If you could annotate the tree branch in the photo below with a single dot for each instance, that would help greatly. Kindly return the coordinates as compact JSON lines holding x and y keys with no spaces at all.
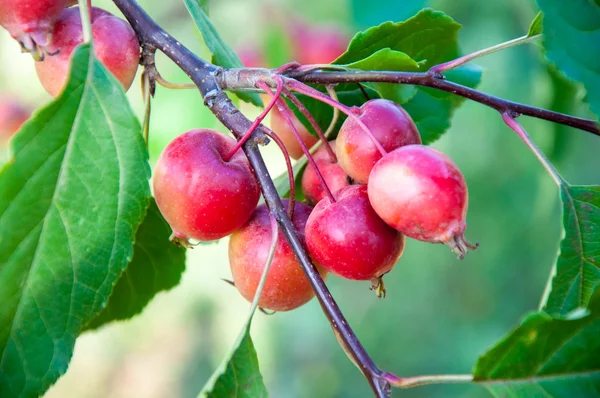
{"x":205,"y":76}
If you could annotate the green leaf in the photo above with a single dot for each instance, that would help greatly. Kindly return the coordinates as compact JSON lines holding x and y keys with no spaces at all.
{"x":545,"y":357}
{"x":572,"y":42}
{"x":240,"y":376}
{"x":428,"y":39}
{"x":157,"y":265}
{"x":222,"y":54}
{"x":536,"y":26}
{"x":71,"y":198}
{"x":386,"y":59}
{"x":578,"y":265}
{"x":282,"y":182}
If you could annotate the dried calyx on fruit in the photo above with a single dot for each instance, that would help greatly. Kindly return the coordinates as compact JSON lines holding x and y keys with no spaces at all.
{"x":31,"y":22}
{"x":115,"y":45}
{"x":201,"y":195}
{"x":390,"y":125}
{"x":421,"y":192}
{"x":286,"y":287}
{"x":350,"y":240}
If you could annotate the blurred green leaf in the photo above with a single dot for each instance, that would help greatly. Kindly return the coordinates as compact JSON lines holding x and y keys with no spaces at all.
{"x":536,"y":26}
{"x":282,"y":182}
{"x":366,"y":13}
{"x":157,"y":265}
{"x":241,"y":376}
{"x":429,"y":38}
{"x":563,"y":100}
{"x":578,"y":265}
{"x":72,"y":198}
{"x":572,"y":42}
{"x":222,"y":54}
{"x":545,"y":357}
{"x":279,"y":48}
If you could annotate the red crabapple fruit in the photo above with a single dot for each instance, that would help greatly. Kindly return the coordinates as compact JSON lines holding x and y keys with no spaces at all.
{"x":335,"y":177}
{"x":201,"y":195}
{"x":390,"y":124}
{"x":349,"y":239}
{"x":30,"y":22}
{"x":421,"y":192}
{"x":115,"y":45}
{"x":286,"y":287}
{"x":280,"y":126}
{"x":12,"y":115}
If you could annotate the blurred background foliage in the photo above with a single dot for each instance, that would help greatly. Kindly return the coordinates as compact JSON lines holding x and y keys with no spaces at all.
{"x":440,"y":313}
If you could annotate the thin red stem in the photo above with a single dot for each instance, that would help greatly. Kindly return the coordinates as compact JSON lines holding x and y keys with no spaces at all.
{"x":256,"y":122}
{"x":290,"y":169}
{"x":287,"y":114}
{"x":312,"y":121}
{"x":316,"y":94}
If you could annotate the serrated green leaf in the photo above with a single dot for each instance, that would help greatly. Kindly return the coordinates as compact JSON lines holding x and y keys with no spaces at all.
{"x":222,"y":54}
{"x":578,"y":265}
{"x":572,"y":42}
{"x":536,"y":26}
{"x":156,"y":266}
{"x":429,"y":38}
{"x":545,"y":357}
{"x":386,"y":59}
{"x":71,"y":199}
{"x":241,"y":376}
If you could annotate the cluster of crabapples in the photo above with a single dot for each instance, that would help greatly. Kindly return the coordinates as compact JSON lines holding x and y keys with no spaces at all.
{"x":51,"y":29}
{"x":376,"y":186}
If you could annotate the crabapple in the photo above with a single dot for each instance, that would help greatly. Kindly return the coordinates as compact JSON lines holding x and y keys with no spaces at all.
{"x":389,"y":123}
{"x":12,"y":116}
{"x":115,"y":45}
{"x":349,"y":239}
{"x":30,"y":22}
{"x":280,"y":126}
{"x":201,"y":195}
{"x":421,"y":192}
{"x":317,"y":44}
{"x":286,"y":287}
{"x":335,"y":177}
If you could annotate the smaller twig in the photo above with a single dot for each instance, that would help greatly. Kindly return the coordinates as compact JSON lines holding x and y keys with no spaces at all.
{"x":290,"y":169}
{"x":509,"y":119}
{"x":446,"y":66}
{"x":407,"y":382}
{"x":316,"y":94}
{"x":256,"y":122}
{"x":177,"y":86}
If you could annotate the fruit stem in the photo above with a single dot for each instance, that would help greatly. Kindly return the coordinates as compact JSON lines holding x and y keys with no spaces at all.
{"x":147,"y":106}
{"x":316,"y":94}
{"x":290,"y":169}
{"x":407,"y":382}
{"x":287,"y":114}
{"x":256,"y":122}
{"x":312,"y":121}
{"x":509,"y":119}
{"x":364,"y":92}
{"x":177,"y":86}
{"x":446,"y":66}
{"x":85,"y":10}
{"x":336,"y":111}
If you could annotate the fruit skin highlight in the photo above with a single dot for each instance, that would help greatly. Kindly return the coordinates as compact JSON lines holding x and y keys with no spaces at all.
{"x":420,"y":192}
{"x":115,"y":45}
{"x":390,"y":124}
{"x":349,"y":239}
{"x":30,"y":22}
{"x":286,"y":287}
{"x":335,"y":177}
{"x":200,"y":195}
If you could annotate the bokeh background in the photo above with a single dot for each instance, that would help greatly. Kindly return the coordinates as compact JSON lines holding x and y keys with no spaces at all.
{"x":440,"y":313}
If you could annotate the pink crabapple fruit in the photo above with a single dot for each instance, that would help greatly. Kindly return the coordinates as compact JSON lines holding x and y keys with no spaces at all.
{"x":390,"y":124}
{"x":335,"y":177}
{"x":12,"y":115}
{"x":31,"y":22}
{"x":280,"y":126}
{"x":420,"y":192}
{"x":115,"y":45}
{"x":286,"y":287}
{"x":201,"y":195}
{"x":350,"y":240}
{"x":316,"y":44}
